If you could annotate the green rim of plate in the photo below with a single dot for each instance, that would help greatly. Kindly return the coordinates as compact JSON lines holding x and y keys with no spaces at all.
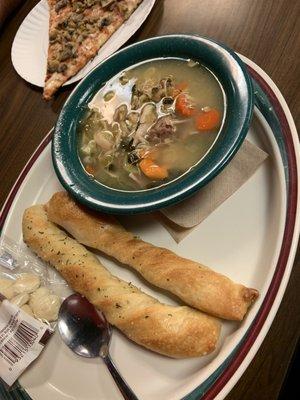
{"x":237,"y":86}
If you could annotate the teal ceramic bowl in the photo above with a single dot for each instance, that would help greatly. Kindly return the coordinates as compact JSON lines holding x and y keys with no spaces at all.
{"x":234,"y":79}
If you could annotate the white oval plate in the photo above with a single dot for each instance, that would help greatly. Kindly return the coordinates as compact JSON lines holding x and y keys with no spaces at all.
{"x":255,"y":233}
{"x":30,"y":46}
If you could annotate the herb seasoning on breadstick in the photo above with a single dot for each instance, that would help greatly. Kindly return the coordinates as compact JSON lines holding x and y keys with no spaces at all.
{"x":195,"y":284}
{"x":177,"y":332}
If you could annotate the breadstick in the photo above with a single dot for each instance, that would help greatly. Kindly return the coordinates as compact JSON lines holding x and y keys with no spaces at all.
{"x":173,"y":331}
{"x":197,"y":285}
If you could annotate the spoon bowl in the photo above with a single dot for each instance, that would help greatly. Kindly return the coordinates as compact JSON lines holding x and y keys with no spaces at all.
{"x":87,"y":333}
{"x":83,"y":328}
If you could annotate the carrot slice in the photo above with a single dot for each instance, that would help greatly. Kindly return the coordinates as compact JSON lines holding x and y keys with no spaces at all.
{"x":183,"y":106}
{"x":208,"y":120}
{"x":152,"y":170}
{"x":90,"y":169}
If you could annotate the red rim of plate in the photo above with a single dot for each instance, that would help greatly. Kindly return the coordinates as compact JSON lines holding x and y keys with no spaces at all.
{"x":292,"y":196}
{"x":260,"y":318}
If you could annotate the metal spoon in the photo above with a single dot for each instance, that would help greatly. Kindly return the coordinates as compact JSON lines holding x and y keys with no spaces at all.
{"x":86,"y":331}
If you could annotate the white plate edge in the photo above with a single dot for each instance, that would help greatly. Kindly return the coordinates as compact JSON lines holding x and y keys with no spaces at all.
{"x":264,"y":330}
{"x":187,"y":389}
{"x":285,"y":278}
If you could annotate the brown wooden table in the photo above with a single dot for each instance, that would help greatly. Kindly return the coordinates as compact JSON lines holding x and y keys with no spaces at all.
{"x":263,"y":30}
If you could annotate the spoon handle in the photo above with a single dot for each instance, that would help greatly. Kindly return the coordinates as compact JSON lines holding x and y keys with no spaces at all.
{"x":122,"y":385}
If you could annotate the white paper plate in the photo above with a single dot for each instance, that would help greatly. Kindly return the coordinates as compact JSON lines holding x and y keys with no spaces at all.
{"x":251,"y":238}
{"x":30,"y":46}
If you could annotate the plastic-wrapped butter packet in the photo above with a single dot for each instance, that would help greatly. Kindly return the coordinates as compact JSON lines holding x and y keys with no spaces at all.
{"x":22,"y":338}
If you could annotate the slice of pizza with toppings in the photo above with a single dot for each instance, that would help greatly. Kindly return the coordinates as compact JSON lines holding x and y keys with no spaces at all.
{"x":77,"y":30}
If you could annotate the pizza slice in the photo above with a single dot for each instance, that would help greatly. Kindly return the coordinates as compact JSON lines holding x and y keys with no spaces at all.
{"x":77,"y":30}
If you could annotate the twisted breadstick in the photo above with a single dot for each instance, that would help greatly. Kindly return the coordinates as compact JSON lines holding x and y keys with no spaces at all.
{"x":173,"y":331}
{"x":194,"y":283}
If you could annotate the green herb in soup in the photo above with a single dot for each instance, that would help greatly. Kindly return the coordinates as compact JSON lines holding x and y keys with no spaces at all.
{"x":151,"y":124}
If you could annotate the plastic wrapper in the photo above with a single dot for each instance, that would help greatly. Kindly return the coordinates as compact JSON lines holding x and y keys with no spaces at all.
{"x":30,"y":296}
{"x":26,"y":281}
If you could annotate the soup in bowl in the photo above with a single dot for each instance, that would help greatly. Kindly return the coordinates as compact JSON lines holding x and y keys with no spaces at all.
{"x":152,"y":124}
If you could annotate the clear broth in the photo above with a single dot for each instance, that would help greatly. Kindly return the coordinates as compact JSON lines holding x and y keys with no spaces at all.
{"x":175,"y":153}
